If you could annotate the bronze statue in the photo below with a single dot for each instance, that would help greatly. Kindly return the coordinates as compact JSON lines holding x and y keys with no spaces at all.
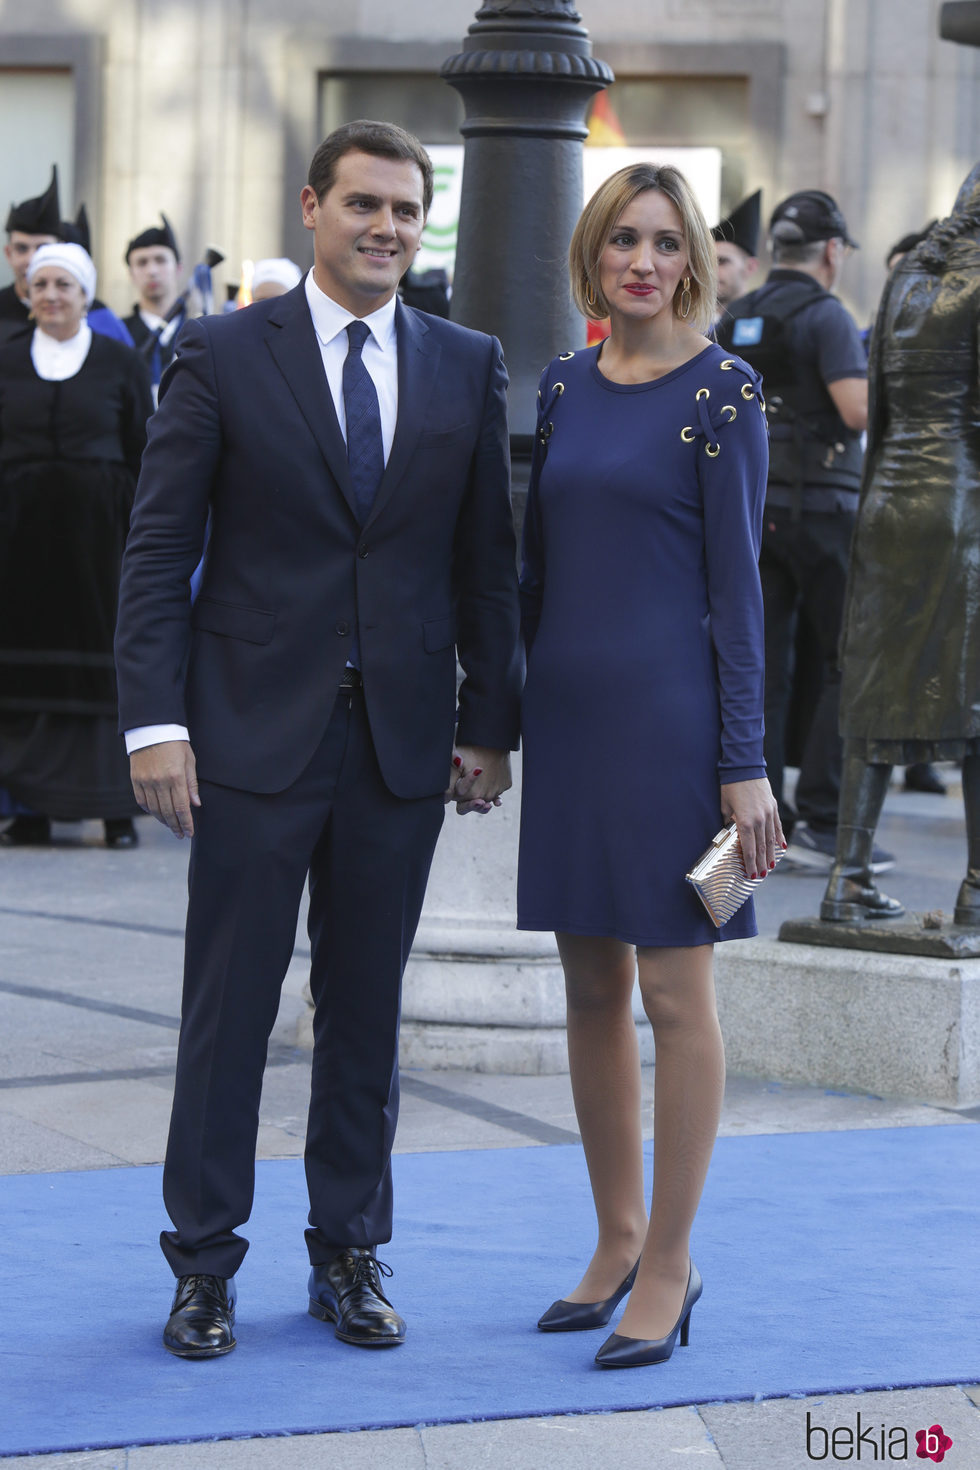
{"x":910,"y":645}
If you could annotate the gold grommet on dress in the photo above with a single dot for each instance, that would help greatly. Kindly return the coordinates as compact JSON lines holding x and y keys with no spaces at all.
{"x":727,"y":364}
{"x":712,"y":450}
{"x":731,"y":410}
{"x":558,"y":388}
{"x":748,"y":391}
{"x":702,"y":393}
{"x":687,"y":434}
{"x":762,"y":404}
{"x":564,"y":356}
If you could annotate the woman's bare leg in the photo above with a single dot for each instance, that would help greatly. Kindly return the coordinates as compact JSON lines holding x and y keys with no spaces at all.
{"x":604,"y":1062}
{"x":678,"y":992}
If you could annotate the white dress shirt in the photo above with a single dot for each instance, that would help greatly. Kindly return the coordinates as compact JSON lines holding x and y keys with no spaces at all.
{"x":380,"y":356}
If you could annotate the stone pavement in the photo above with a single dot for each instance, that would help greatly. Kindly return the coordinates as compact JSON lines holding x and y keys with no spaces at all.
{"x":89,"y":998}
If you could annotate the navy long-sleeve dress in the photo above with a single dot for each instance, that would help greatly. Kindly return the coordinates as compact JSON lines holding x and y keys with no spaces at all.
{"x":644,"y":628}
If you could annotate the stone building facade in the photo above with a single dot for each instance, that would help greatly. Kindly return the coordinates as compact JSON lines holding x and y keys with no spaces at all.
{"x":210,"y":109}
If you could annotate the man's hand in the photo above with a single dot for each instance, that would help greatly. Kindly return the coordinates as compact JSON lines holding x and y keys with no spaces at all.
{"x":164,"y":780}
{"x":756,"y":814}
{"x":478,"y":778}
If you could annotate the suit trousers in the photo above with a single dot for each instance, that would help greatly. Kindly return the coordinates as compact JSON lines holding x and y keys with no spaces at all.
{"x":367,"y":854}
{"x":803,"y":567}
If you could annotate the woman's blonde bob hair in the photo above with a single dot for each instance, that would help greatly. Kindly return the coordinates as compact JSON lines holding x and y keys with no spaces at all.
{"x":600,"y":215}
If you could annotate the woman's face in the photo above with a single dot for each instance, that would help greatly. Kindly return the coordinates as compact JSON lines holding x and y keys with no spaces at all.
{"x":645,"y":257}
{"x":57,"y":301}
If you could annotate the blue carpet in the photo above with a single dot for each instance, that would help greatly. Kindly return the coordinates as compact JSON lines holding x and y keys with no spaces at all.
{"x":831,"y":1262}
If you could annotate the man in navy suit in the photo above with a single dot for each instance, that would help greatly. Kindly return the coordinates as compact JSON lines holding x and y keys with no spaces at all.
{"x":299,"y":718}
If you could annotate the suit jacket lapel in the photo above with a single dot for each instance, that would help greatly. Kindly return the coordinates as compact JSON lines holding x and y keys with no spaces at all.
{"x":418,"y":361}
{"x":294,"y":346}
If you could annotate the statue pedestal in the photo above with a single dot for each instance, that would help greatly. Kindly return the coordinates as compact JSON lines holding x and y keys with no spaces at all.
{"x":479,"y":994}
{"x":897,"y":1025}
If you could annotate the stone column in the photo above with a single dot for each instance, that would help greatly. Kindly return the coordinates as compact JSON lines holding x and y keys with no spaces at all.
{"x":478,"y":994}
{"x":526,"y":75}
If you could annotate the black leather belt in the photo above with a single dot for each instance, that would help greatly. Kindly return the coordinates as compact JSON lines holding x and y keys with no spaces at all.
{"x":351,"y":679}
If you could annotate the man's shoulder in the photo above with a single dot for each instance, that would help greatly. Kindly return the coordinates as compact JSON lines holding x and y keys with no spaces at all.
{"x":446,"y":333}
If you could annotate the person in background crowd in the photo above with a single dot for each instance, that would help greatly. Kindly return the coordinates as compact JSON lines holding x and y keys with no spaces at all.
{"x":153,"y":259}
{"x":737,"y":250}
{"x":30,"y":224}
{"x":807,"y":347}
{"x":274,"y":277}
{"x":426,"y":291}
{"x":101,"y":318}
{"x":642,"y":615}
{"x":73,"y":411}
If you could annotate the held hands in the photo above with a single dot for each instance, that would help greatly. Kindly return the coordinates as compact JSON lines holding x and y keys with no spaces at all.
{"x":477,"y":778}
{"x":756,"y":815}
{"x":164,"y":780}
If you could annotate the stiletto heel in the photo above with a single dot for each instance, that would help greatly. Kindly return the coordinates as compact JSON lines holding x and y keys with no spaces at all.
{"x":564,"y":1316}
{"x":637,"y":1352}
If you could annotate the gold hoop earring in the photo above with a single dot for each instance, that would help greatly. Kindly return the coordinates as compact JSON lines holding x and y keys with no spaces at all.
{"x":685,"y":307}
{"x":589,"y":294}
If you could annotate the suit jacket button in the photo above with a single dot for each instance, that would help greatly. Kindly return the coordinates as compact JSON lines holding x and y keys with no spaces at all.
{"x":343,"y":629}
{"x":362,"y":552}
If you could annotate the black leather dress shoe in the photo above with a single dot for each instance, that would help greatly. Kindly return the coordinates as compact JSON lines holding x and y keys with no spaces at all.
{"x":924,"y":777}
{"x":202,"y":1318}
{"x":347,"y":1291}
{"x":120,"y":832}
{"x":27,"y":830}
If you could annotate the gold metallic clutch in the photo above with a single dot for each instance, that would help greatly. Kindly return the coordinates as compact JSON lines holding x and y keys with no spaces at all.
{"x":718,"y":876}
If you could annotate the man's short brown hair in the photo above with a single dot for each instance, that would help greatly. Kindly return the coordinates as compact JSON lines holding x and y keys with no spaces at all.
{"x":384,"y":140}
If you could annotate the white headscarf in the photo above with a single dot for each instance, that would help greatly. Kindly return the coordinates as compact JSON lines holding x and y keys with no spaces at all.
{"x":281,"y":270}
{"x":71,"y":258}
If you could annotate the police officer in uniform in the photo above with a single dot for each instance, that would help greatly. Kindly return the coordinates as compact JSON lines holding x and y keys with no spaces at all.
{"x":809,"y":351}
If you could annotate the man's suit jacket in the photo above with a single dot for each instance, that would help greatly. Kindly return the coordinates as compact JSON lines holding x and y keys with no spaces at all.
{"x":247,"y":430}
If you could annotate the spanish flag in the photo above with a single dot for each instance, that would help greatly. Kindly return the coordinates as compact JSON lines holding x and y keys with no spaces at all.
{"x":604,"y":128}
{"x":604,"y":132}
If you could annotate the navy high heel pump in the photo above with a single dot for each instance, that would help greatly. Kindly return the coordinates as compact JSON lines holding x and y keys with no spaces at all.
{"x":564,"y":1316}
{"x":637,"y":1352}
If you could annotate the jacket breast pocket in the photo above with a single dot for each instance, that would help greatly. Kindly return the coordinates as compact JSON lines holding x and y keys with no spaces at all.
{"x":436,"y":438}
{"x":251,"y":624}
{"x":438,"y":633}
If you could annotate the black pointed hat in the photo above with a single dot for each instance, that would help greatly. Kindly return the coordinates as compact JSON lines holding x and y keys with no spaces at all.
{"x":742,"y":226}
{"x":155,"y":236}
{"x":77,"y":232}
{"x":40,"y":216}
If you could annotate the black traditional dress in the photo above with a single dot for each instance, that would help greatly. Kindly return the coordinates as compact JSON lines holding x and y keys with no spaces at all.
{"x":69,"y":457}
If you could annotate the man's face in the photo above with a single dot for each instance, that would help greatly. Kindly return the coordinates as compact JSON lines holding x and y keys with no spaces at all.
{"x":19,"y":251}
{"x":735,"y":268}
{"x":154,"y":271}
{"x":366,"y":229}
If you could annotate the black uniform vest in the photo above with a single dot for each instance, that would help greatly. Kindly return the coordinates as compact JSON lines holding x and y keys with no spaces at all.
{"x":807,"y":446}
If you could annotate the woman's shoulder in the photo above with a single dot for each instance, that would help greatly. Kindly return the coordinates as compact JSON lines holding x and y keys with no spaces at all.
{"x":725,"y":369}
{"x":568,"y":364}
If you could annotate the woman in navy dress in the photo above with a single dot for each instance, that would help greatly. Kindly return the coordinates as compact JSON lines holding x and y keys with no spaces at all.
{"x":642,"y":723}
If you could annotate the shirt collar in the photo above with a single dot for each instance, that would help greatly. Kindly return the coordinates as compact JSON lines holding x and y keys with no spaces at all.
{"x":330,"y":319}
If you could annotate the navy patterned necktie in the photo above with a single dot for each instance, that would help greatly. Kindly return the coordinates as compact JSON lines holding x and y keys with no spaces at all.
{"x":365,"y":448}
